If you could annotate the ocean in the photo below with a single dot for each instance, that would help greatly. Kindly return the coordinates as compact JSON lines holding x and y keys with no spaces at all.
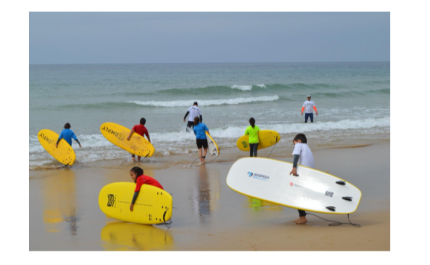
{"x":352,"y":98}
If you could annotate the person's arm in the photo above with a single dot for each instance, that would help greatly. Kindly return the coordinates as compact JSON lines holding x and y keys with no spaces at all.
{"x":303,"y":108}
{"x":294,"y":171}
{"x":59,"y":139}
{"x":258,"y":135}
{"x":136,"y":193}
{"x":316,"y":111}
{"x":246,"y":131}
{"x":201,"y":118}
{"x":207,"y":129}
{"x":186,"y":114}
{"x":76,"y":139}
{"x":147,"y":135}
{"x":129,"y":136}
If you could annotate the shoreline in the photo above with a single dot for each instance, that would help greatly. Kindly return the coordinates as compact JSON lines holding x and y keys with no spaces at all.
{"x":207,"y":215}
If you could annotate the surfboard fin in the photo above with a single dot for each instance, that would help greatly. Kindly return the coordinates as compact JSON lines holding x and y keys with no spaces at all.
{"x":347,"y":198}
{"x":331,"y":208}
{"x":340,"y":182}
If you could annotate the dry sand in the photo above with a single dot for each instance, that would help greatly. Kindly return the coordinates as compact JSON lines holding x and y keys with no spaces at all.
{"x":207,"y":215}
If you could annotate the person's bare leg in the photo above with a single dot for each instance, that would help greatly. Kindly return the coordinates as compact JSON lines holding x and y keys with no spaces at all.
{"x":138,"y":158}
{"x":301,"y":220}
{"x":200,"y":155}
{"x":203,"y":160}
{"x":134,"y":159}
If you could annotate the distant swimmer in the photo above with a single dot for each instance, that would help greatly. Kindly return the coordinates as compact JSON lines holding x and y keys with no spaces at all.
{"x":254,"y":138}
{"x":136,"y":174}
{"x":67,"y":135}
{"x":200,"y":130}
{"x":308,"y":105}
{"x":194,"y":111}
{"x":141,"y":130}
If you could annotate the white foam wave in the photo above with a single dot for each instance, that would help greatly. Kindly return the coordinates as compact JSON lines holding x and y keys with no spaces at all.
{"x":261,"y":85}
{"x":242,"y":87}
{"x":216,"y":102}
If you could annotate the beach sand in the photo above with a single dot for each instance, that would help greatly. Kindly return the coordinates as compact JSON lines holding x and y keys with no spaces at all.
{"x":207,"y":215}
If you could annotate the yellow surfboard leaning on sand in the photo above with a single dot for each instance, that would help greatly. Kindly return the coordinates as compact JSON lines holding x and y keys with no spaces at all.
{"x":117,"y":134}
{"x":267,"y":139}
{"x":213,"y":148}
{"x":64,"y":153}
{"x":153,"y":205}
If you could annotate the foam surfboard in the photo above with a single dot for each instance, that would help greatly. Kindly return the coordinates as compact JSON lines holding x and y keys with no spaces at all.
{"x":267,"y":139}
{"x":313,"y":190}
{"x":212,"y":145}
{"x":117,"y":134}
{"x":126,"y":236}
{"x":153,"y":205}
{"x":64,"y":153}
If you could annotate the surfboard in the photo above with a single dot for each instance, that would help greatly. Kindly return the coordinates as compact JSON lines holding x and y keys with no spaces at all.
{"x":153,"y":205}
{"x":127,"y":236}
{"x":117,"y":134}
{"x":313,"y":190}
{"x":213,"y":148}
{"x":267,"y":139}
{"x":64,"y":153}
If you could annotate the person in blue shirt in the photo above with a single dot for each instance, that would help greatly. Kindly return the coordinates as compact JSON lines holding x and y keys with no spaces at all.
{"x":201,"y":140}
{"x":67,"y":135}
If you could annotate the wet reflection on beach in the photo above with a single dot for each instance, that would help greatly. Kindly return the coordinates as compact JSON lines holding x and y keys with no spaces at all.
{"x":129,"y":236}
{"x":206,"y":192}
{"x":59,"y":202}
{"x":258,"y":205}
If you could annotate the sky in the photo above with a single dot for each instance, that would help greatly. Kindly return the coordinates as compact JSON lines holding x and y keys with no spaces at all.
{"x":229,"y":37}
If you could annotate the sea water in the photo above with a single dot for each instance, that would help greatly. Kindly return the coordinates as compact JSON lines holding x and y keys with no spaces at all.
{"x":352,"y":98}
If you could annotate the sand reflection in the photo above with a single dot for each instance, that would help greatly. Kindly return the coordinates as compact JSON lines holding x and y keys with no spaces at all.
{"x":129,"y":236}
{"x":206,"y":192}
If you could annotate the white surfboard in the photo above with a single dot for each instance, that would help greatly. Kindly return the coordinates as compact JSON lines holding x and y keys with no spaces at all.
{"x":212,"y":145}
{"x":313,"y":190}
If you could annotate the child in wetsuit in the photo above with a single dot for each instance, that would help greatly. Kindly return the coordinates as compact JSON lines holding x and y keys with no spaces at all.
{"x":136,"y":174}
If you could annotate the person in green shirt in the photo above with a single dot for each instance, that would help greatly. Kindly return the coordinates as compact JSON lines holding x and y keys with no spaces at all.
{"x":254,"y":139}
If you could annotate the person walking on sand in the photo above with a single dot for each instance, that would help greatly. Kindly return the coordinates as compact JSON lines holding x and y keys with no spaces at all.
{"x":67,"y":135}
{"x":194,"y":111}
{"x":141,"y":130}
{"x":200,"y":130}
{"x":254,"y":139}
{"x":302,"y":156}
{"x":308,"y":105}
{"x":136,"y":174}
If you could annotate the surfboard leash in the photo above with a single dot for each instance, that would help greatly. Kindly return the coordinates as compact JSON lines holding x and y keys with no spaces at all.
{"x":335,"y":223}
{"x":272,"y":149}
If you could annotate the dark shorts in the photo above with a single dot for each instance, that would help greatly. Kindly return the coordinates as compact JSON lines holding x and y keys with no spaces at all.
{"x":190,"y":124}
{"x":202,"y":142}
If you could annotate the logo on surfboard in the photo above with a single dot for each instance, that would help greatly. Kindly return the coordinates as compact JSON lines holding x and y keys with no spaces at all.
{"x":258,"y":176}
{"x":111,"y":200}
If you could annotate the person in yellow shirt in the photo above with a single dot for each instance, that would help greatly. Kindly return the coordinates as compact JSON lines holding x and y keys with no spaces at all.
{"x":254,"y":139}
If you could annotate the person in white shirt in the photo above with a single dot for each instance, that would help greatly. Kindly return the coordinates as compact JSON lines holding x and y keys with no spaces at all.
{"x":194,"y":111}
{"x":308,"y":105}
{"x":302,"y":156}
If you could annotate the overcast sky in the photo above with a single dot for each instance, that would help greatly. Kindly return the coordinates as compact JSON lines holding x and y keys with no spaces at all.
{"x":73,"y":38}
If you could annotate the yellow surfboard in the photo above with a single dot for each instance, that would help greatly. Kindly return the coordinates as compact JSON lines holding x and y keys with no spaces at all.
{"x":128,"y":236}
{"x":213,"y":148}
{"x":153,"y":205}
{"x":64,"y":153}
{"x":267,"y":139}
{"x":117,"y":134}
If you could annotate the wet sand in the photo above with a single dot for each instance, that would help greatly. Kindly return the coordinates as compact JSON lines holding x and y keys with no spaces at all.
{"x":207,"y":215}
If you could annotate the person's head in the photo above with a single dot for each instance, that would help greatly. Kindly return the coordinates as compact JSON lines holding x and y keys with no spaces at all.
{"x":309,"y":97}
{"x":67,"y":126}
{"x":300,"y":138}
{"x":252,"y":122}
{"x":196,"y":120}
{"x":135,"y":172}
{"x":142,"y":121}
{"x":195,"y":103}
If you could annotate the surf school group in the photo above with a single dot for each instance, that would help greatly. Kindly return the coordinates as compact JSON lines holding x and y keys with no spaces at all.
{"x":134,"y":142}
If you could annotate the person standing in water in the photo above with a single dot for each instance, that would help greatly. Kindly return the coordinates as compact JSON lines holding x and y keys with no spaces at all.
{"x":308,"y":105}
{"x":254,"y":139}
{"x":141,"y":130}
{"x":67,"y":135}
{"x":194,"y":111}
{"x":200,"y":130}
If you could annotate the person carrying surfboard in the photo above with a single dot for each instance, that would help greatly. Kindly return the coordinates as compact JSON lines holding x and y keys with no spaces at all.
{"x":194,"y":111}
{"x":141,"y":130}
{"x":303,"y":156}
{"x":201,"y":140}
{"x":136,"y":174}
{"x":67,"y":135}
{"x":308,"y":105}
{"x":254,"y":139}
